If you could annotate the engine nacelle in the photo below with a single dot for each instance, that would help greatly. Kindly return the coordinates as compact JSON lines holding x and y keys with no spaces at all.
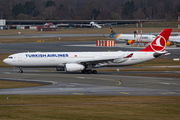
{"x":168,"y":43}
{"x":130,"y":42}
{"x":74,"y":67}
{"x":60,"y":69}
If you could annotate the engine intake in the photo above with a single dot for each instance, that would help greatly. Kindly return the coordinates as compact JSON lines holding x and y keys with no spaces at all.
{"x":130,"y":42}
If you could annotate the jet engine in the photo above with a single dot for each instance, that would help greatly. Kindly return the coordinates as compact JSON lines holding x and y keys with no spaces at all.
{"x":73,"y":67}
{"x":130,"y":41}
{"x":168,"y":43}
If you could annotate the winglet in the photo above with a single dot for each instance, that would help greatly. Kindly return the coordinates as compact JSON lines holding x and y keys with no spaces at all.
{"x":130,"y":55}
{"x":159,"y":43}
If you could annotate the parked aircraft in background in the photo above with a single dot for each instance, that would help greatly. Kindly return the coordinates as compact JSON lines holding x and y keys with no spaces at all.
{"x":91,"y":24}
{"x":86,"y":61}
{"x":145,"y":39}
{"x":174,"y":40}
{"x":131,"y":38}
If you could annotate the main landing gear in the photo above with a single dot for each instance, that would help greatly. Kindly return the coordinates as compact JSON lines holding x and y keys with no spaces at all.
{"x":89,"y":71}
{"x":20,"y":71}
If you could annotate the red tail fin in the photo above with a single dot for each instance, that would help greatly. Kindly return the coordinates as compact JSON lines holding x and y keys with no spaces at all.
{"x":159,"y":43}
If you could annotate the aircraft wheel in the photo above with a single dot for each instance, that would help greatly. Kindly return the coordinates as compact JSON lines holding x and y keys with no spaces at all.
{"x":20,"y":71}
{"x":83,"y":71}
{"x":94,"y":72}
{"x":89,"y":71}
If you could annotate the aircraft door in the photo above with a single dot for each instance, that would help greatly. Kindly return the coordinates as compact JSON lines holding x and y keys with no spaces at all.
{"x":19,"y":58}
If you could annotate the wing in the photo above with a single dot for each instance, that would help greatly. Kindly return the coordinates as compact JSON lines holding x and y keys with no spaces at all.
{"x":106,"y":24}
{"x":103,"y":60}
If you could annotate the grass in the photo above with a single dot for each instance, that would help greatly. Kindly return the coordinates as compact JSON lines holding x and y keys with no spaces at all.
{"x":161,"y":61}
{"x":51,"y":39}
{"x":15,"y":84}
{"x":89,"y":107}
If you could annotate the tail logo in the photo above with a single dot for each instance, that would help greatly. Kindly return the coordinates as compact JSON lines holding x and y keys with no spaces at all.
{"x":158,"y":44}
{"x":110,"y":30}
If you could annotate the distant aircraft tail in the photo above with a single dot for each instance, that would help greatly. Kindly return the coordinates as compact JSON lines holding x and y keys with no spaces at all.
{"x":159,"y":43}
{"x":112,"y":33}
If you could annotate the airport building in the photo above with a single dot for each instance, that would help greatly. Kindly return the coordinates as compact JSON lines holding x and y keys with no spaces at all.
{"x":3,"y":25}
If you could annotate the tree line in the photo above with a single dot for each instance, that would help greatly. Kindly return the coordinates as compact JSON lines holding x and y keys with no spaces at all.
{"x":85,"y":9}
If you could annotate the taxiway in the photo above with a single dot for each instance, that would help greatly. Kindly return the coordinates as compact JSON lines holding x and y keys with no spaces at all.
{"x":103,"y":83}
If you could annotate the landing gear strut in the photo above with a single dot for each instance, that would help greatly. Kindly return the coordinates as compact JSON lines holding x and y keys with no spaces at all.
{"x":88,"y":69}
{"x":20,"y":71}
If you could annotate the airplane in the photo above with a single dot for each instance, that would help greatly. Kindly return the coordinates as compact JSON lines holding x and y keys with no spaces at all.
{"x":91,"y":24}
{"x":131,"y":38}
{"x":174,"y":40}
{"x":145,"y":39}
{"x":87,"y":61}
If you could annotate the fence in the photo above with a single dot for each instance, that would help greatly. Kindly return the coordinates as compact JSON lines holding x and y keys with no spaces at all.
{"x":105,"y":43}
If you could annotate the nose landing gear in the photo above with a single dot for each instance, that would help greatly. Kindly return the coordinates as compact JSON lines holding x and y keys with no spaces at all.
{"x":20,"y":71}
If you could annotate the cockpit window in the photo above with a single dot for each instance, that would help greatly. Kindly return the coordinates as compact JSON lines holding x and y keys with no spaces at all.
{"x":10,"y":57}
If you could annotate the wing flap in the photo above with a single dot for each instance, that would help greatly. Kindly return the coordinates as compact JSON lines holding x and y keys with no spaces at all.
{"x":97,"y":61}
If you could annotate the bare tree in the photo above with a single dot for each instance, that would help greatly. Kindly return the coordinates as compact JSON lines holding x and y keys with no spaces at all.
{"x":48,"y":12}
{"x":105,"y":9}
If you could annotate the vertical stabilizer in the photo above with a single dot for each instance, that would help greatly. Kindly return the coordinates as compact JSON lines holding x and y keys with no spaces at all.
{"x":112,"y":33}
{"x":159,"y":43}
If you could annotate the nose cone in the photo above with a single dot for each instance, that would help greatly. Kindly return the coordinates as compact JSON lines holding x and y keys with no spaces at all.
{"x":5,"y":61}
{"x":9,"y":61}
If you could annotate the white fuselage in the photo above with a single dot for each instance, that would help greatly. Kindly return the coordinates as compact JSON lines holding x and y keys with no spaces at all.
{"x":59,"y":59}
{"x":144,"y":38}
{"x":175,"y":39}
